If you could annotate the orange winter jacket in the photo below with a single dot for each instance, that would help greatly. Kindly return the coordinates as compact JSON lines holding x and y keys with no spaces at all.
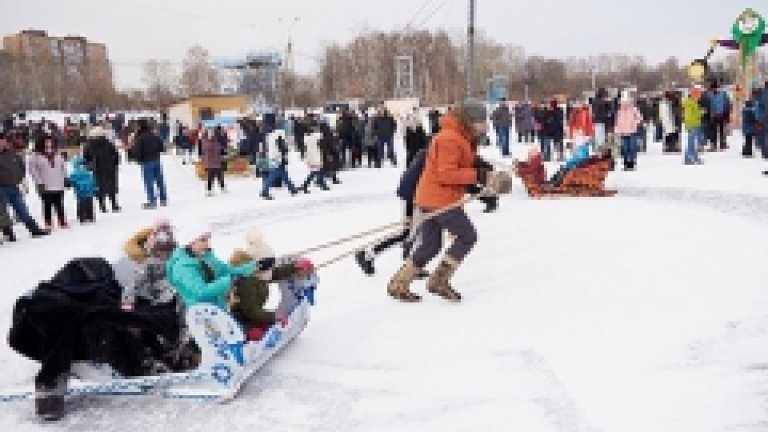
{"x":448,"y":169}
{"x":581,"y":120}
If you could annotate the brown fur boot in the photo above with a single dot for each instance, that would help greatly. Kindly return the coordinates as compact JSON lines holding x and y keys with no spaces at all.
{"x":439,"y":283}
{"x":399,"y":285}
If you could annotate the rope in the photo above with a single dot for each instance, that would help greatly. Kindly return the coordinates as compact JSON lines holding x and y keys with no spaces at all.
{"x":415,"y":224}
{"x":349,"y":238}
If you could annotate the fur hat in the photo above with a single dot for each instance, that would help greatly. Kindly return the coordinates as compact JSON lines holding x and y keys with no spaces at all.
{"x":188,"y":233}
{"x":258,"y":249}
{"x":161,"y":238}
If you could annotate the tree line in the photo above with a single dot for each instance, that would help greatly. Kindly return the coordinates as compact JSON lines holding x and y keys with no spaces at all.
{"x":362,"y":68}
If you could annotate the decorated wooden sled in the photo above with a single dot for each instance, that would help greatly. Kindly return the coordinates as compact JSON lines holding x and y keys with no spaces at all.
{"x":586,"y":180}
{"x":227,"y":358}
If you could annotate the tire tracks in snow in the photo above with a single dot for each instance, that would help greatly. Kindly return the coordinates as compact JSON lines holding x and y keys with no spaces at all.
{"x":234,"y":222}
{"x":553,"y":399}
{"x":744,"y":205}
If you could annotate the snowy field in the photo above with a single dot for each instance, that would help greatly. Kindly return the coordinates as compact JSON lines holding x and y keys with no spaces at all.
{"x":646,"y":312}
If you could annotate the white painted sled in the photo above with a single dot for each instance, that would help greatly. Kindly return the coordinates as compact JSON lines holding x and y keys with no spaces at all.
{"x":227,"y":358}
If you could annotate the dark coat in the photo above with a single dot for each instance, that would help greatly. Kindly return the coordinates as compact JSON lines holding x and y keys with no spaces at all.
{"x":11,"y":168}
{"x":252,"y":294}
{"x":328,"y":148}
{"x":102,"y":158}
{"x":147,"y":147}
{"x":415,"y":141}
{"x":384,"y":127}
{"x":211,"y":154}
{"x":406,"y":190}
{"x":76,"y":316}
{"x":552,"y":124}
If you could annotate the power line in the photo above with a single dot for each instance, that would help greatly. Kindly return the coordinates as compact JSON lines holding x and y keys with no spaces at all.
{"x":418,"y":12}
{"x":434,"y":11}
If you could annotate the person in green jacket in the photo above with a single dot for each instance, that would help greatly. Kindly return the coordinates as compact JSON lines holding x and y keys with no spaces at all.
{"x":252,"y":291}
{"x":692,"y":115}
{"x":197,"y":274}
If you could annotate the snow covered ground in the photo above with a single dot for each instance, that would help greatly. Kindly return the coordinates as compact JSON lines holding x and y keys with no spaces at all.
{"x":643,"y":312}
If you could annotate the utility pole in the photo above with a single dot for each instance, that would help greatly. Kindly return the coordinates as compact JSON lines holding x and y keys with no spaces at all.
{"x":470,"y":48}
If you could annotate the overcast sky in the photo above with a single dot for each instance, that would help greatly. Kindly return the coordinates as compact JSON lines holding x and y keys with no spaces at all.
{"x":137,"y":30}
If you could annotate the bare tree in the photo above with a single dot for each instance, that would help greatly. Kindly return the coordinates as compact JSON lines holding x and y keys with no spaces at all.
{"x":161,"y":81}
{"x":197,"y":76}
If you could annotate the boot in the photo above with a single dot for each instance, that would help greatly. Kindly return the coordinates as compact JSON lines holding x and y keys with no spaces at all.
{"x":102,"y":205}
{"x":63,"y":223}
{"x":35,"y":230}
{"x":439,"y":282}
{"x":366,"y":264}
{"x":113,"y":199}
{"x":8,"y":234}
{"x":49,"y":400}
{"x":398,"y":286}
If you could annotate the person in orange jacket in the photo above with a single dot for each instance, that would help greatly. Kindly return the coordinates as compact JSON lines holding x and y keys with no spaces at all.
{"x":450,"y":167}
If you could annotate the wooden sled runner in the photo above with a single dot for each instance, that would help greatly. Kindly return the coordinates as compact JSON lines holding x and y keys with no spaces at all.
{"x":586,"y":180}
{"x":227,"y":358}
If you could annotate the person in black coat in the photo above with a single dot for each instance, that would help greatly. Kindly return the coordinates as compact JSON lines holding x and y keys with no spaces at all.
{"x":147,"y":149}
{"x":328,"y":148}
{"x":552,"y":129}
{"x":348,"y":136}
{"x":103,"y":159}
{"x":384,"y":128}
{"x":415,"y":141}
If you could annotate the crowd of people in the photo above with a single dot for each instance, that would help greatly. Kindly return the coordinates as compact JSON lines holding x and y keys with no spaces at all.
{"x":611,"y":125}
{"x":626,"y":126}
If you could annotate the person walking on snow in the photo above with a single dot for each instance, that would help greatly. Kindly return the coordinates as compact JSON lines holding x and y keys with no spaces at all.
{"x":12,"y":172}
{"x":449,"y":168}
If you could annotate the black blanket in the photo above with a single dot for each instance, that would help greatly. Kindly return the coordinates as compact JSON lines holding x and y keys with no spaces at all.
{"x":76,"y":316}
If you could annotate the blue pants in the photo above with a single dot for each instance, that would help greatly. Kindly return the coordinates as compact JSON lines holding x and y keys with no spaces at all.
{"x":13,"y":196}
{"x":152,"y":173}
{"x":629,"y":150}
{"x":502,"y":133}
{"x":319,"y":177}
{"x":389,"y":145}
{"x":695,"y":139}
{"x":546,"y":148}
{"x":275,"y":174}
{"x":762,"y":142}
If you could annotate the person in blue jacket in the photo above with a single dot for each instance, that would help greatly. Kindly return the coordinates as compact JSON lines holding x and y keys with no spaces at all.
{"x":749,"y":126}
{"x":197,"y":274}
{"x":84,"y":184}
{"x":580,"y":155}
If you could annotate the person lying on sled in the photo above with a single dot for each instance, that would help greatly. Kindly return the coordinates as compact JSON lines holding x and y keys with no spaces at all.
{"x":252,"y":291}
